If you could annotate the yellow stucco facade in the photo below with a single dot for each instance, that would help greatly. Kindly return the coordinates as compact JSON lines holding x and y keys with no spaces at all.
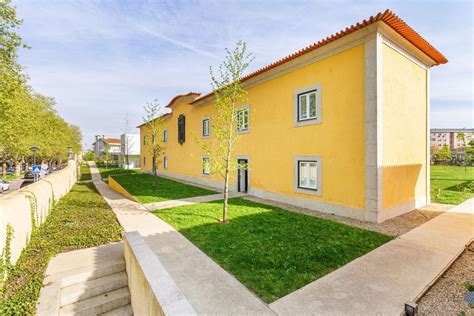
{"x":359,"y":78}
{"x":405,"y":117}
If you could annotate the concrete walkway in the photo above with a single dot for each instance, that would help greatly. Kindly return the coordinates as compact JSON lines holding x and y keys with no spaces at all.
{"x":383,"y":280}
{"x":209,"y":289}
{"x":189,"y":201}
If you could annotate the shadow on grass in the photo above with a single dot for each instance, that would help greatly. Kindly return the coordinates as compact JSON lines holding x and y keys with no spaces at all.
{"x":270,"y":250}
{"x":466,"y":186}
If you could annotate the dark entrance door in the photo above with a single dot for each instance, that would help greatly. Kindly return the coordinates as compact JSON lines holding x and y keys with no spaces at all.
{"x":242,"y":175}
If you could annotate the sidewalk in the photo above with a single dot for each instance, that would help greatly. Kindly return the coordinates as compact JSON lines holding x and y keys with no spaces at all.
{"x":209,"y":288}
{"x":384,"y":279}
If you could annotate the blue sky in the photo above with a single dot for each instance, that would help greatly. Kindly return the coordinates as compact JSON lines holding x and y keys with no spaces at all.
{"x":103,"y":60}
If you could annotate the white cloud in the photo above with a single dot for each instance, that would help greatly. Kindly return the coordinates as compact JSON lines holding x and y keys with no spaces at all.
{"x":101,"y":59}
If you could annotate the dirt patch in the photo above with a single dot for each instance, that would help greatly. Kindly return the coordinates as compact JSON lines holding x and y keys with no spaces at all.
{"x":446,"y":296}
{"x":393,"y":227}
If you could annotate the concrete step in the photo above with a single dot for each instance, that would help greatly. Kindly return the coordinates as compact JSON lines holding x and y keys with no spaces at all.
{"x":121,"y":311}
{"x":98,"y":304}
{"x":91,"y":288}
{"x":84,"y":274}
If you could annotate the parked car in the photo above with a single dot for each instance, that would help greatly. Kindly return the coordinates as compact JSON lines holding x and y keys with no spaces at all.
{"x":4,"y":186}
{"x":29,"y":175}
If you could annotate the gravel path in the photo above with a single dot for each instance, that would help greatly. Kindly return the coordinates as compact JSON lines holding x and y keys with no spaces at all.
{"x":392,"y":227}
{"x":446,"y":296}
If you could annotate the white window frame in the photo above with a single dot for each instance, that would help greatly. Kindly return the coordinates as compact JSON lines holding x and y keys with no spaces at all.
{"x":165,"y":162}
{"x":203,"y":171}
{"x":306,"y":92}
{"x":208,"y":119}
{"x":315,"y":190}
{"x":165,"y":136}
{"x":245,"y":108}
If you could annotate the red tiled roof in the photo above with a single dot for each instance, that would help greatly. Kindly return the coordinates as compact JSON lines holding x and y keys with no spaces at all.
{"x":189,"y":94}
{"x":112,"y":140}
{"x":388,"y":17}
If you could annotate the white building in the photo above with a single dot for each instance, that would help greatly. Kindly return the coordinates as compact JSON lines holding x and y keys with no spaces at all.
{"x":130,"y":151}
{"x":112,"y":144}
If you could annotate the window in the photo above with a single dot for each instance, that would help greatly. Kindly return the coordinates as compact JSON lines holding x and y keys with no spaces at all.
{"x":153,"y":139}
{"x":206,"y":127}
{"x":144,"y":161}
{"x":181,"y":129}
{"x":206,"y":166}
{"x":307,"y":105}
{"x":165,"y":162}
{"x":144,"y":139}
{"x":243,"y":120}
{"x":165,"y":136}
{"x":308,"y":175}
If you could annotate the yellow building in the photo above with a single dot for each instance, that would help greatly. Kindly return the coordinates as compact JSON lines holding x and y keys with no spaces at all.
{"x":341,"y":126}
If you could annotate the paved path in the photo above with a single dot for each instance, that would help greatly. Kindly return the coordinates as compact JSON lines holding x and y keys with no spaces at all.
{"x":210,"y":289}
{"x":387,"y":277}
{"x":189,"y":201}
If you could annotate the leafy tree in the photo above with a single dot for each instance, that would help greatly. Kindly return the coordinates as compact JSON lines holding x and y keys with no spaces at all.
{"x":462,"y":137}
{"x":229,"y":93}
{"x":470,"y":153}
{"x":153,"y":128}
{"x":27,"y":118}
{"x":444,"y":154}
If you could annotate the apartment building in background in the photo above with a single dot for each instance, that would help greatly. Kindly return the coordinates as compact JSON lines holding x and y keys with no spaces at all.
{"x":321,"y":128}
{"x":449,"y":137}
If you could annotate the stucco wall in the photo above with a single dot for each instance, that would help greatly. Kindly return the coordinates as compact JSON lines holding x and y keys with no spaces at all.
{"x":404,"y":132}
{"x":152,"y":290}
{"x":15,"y":208}
{"x":273,"y":140}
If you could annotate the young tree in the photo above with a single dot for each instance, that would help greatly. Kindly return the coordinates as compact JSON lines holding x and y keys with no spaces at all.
{"x":107,"y":155}
{"x":444,"y":154}
{"x":229,"y":93}
{"x":128,"y":142}
{"x":154,"y":129}
{"x":462,"y":137}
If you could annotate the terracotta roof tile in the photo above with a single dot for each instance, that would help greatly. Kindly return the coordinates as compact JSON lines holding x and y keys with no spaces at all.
{"x":388,"y":17}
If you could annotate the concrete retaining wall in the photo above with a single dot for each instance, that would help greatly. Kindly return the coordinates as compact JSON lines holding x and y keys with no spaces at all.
{"x":114,"y":185}
{"x":152,"y":290}
{"x":18,"y":208}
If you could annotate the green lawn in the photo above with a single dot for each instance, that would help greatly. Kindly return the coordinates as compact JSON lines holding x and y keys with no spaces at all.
{"x":141,"y":186}
{"x":105,"y":172}
{"x":10,"y":177}
{"x":456,"y":185}
{"x":81,"y":219}
{"x":270,"y":250}
{"x":85,"y":173}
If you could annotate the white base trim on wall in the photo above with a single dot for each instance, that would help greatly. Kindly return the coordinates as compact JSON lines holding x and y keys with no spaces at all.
{"x":310,"y":204}
{"x":400,"y":209}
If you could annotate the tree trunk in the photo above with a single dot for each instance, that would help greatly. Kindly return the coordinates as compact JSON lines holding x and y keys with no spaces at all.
{"x":154,"y":172}
{"x":4,"y":170}
{"x":17,"y":167}
{"x":226,"y":196}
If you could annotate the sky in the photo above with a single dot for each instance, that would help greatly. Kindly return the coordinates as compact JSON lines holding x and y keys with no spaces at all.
{"x":103,"y":60}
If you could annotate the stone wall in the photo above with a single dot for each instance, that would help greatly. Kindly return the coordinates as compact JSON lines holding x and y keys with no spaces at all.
{"x":28,"y":207}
